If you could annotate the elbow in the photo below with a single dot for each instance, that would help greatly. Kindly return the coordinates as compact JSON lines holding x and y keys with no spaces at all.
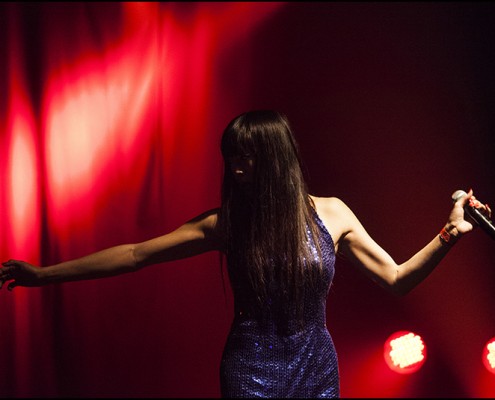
{"x":137,"y":260}
{"x":398,"y":286}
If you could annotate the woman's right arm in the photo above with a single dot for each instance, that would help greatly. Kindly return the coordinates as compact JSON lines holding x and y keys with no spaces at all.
{"x":196,"y":236}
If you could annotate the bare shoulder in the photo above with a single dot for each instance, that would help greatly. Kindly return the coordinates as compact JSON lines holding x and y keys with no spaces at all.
{"x":207,"y":225}
{"x":207,"y":218}
{"x":329,"y":204}
{"x":335,"y":214}
{"x":206,"y":222}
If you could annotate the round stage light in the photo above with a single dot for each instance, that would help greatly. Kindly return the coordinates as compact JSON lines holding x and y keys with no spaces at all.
{"x":404,"y":352}
{"x":489,"y":355}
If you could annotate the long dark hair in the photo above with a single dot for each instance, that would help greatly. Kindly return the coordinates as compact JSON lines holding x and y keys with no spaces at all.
{"x":266,"y":225}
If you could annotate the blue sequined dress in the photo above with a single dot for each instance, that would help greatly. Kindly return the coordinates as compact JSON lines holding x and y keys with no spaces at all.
{"x":259,"y":362}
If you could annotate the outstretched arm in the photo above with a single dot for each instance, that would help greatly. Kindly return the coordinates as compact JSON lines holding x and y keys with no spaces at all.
{"x":356,"y":244}
{"x":196,"y":236}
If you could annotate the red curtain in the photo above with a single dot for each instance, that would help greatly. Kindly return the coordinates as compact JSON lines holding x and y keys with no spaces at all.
{"x":110,"y":134}
{"x":110,"y":120}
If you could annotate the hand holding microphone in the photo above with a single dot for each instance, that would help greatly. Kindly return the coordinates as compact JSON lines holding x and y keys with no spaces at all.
{"x":473,"y":209}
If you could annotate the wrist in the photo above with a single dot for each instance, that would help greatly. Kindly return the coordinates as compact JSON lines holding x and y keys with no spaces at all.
{"x":449,"y":234}
{"x":43,"y":276}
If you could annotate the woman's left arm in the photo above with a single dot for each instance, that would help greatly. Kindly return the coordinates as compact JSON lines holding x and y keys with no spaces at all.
{"x":358,"y":246}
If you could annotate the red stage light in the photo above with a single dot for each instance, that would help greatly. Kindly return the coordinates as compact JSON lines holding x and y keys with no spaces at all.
{"x":489,"y":355}
{"x":404,"y":352}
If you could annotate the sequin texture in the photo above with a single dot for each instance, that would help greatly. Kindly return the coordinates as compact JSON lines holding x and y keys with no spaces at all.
{"x":259,"y":362}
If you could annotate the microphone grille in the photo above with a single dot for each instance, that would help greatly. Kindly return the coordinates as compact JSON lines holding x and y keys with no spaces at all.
{"x":458,"y":194}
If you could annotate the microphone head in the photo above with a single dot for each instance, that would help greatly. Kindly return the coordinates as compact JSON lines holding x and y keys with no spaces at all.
{"x":458,"y":194}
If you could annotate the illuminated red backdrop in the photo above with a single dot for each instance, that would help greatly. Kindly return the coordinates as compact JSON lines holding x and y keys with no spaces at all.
{"x":110,"y":117}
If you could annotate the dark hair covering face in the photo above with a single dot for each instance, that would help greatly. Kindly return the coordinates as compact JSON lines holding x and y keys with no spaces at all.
{"x":266,"y":224}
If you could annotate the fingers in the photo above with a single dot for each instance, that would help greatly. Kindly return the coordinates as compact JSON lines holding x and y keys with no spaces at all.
{"x":469,"y":202}
{"x":10,"y":286}
{"x":484,"y":208}
{"x":10,"y":262}
{"x":7,"y":273}
{"x":470,"y":198}
{"x":4,"y":276}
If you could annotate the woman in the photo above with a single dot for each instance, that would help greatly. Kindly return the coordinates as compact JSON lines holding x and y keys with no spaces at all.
{"x":280,"y":244}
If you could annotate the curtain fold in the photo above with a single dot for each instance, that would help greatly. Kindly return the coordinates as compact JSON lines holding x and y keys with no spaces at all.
{"x":108,"y":136}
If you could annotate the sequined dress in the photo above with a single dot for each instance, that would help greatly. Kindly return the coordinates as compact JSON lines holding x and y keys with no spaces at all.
{"x":258,"y":362}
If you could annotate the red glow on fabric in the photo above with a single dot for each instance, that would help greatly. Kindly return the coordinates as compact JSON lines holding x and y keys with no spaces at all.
{"x":20,"y":203}
{"x":99,"y":117}
{"x":23,"y":192}
{"x":150,"y":87}
{"x":372,"y":372}
{"x":21,"y":216}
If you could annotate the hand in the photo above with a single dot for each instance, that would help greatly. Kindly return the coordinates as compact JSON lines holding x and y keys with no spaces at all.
{"x":20,"y":273}
{"x":460,"y":219}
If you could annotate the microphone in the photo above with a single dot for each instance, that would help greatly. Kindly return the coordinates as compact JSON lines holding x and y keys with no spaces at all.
{"x":481,"y":219}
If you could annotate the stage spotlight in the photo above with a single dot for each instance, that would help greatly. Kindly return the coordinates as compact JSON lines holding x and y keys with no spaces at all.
{"x":489,"y":355}
{"x":404,"y":352}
